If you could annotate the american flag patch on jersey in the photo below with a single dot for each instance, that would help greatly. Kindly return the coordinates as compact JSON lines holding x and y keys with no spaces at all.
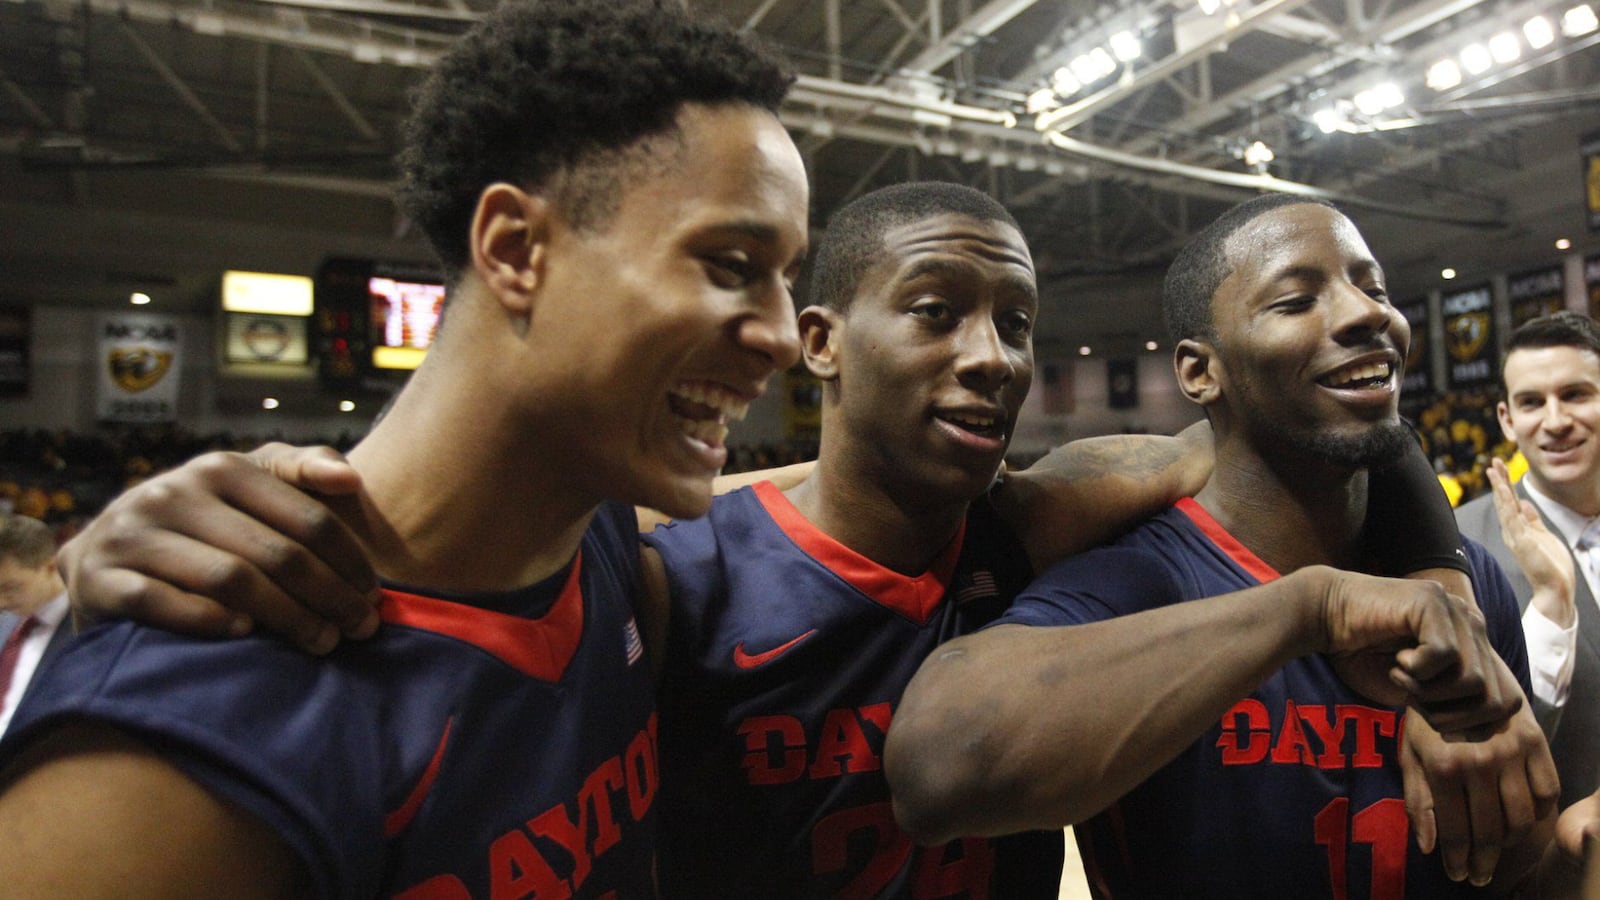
{"x":631,"y":642}
{"x":980,"y":585}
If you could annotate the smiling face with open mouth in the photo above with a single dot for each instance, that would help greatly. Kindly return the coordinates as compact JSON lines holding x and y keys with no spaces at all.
{"x":1309,"y":349}
{"x":663,"y":326}
{"x":937,"y":356}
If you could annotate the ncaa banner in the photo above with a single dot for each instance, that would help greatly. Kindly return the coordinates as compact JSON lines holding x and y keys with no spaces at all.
{"x":138,"y":362}
{"x":1591,"y":277}
{"x":1535,"y":294}
{"x":1591,"y":179}
{"x":1418,"y":384}
{"x":1469,"y":337}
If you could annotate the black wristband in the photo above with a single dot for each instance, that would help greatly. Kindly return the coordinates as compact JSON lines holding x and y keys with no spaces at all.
{"x":1410,"y":525}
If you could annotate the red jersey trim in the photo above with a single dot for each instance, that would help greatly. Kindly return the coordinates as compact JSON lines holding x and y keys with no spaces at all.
{"x":395,"y":822}
{"x":540,"y":648}
{"x":914,"y":597}
{"x":1226,"y":542}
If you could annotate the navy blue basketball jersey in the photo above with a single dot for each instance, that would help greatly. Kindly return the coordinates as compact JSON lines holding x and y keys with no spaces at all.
{"x":1296,"y":792}
{"x":484,"y":746}
{"x":787,"y":655}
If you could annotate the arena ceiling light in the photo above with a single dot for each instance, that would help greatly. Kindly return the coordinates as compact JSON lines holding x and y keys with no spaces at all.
{"x":1257,"y":155}
{"x":1538,"y":32}
{"x":1042,"y":100}
{"x":1444,"y":75}
{"x":1064,"y":83}
{"x":1579,"y":21}
{"x":1505,"y":48}
{"x":1125,"y":46}
{"x":1380,"y":97}
{"x":1476,"y":59}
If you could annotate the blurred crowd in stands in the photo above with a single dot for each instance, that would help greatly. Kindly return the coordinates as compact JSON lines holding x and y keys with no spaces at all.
{"x":1461,"y":435}
{"x":64,"y":478}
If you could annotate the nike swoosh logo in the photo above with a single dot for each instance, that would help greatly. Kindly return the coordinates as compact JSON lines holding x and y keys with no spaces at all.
{"x":751,"y":660}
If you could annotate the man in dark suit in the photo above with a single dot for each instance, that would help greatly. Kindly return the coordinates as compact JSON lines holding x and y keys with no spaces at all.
{"x":1551,"y":408}
{"x":33,"y":607}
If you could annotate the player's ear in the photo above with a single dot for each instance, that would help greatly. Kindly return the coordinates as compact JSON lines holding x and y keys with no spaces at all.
{"x":1198,"y":371}
{"x":1503,"y":413}
{"x":821,"y":330}
{"x":509,"y":239}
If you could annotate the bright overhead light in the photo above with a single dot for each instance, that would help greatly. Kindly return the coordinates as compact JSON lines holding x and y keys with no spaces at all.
{"x":1104,"y":64}
{"x":347,"y":406}
{"x":1563,"y":244}
{"x":1447,"y":273}
{"x":269,"y":403}
{"x":1258,"y":154}
{"x":1208,"y":6}
{"x":1083,"y":68}
{"x":1151,"y":345}
{"x":138,"y":298}
{"x":1378,"y":98}
{"x":1444,"y":75}
{"x":1084,"y":350}
{"x":1063,"y":82}
{"x":1125,"y":46}
{"x":1578,"y":20}
{"x":1538,"y":32}
{"x":1328,"y":119}
{"x":1093,"y":66}
{"x":1505,"y":47}
{"x":1040,"y":101}
{"x":1475,"y":59}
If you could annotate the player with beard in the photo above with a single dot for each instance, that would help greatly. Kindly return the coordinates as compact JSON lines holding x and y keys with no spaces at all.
{"x":1287,"y":339}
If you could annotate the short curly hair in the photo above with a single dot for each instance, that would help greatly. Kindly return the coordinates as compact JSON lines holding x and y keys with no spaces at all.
{"x":561,"y":96}
{"x":853,"y":241}
{"x":1202,"y":265}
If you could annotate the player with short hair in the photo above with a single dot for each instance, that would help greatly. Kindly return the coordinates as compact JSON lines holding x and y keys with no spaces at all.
{"x":622,"y":215}
{"x":798,"y":616}
{"x":1295,"y":790}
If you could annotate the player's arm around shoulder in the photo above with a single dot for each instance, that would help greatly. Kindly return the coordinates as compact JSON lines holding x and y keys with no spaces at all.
{"x":1088,"y":491}
{"x":1037,"y":723}
{"x":89,"y":812}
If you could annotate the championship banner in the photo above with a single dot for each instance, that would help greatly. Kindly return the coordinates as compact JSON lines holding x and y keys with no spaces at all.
{"x":1122,"y":383}
{"x":1591,"y":179}
{"x":1591,"y":277}
{"x":1418,"y":384}
{"x":1469,"y":337}
{"x":16,"y":334}
{"x":138,"y":362}
{"x":1535,"y":294}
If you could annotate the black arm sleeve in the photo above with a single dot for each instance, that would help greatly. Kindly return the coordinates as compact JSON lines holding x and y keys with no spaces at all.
{"x":1409,"y":522}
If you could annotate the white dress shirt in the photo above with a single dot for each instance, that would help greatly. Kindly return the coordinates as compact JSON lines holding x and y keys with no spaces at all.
{"x":50,"y":617}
